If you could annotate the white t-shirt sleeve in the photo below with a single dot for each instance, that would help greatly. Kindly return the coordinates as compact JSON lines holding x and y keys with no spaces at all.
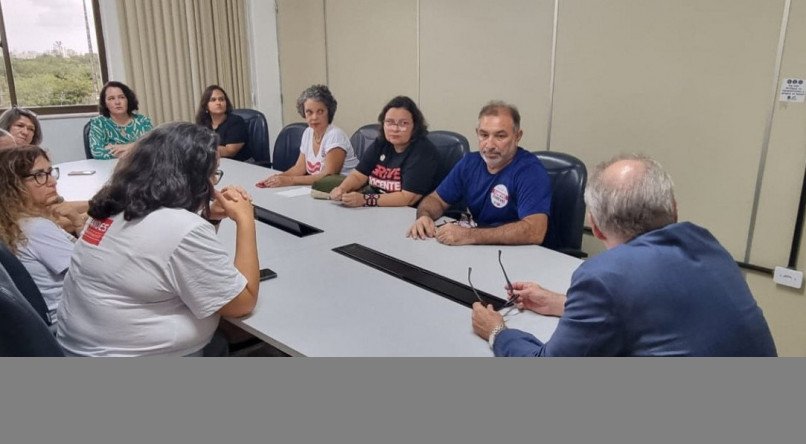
{"x":51,"y":245}
{"x":203,"y":275}
{"x":336,"y":138}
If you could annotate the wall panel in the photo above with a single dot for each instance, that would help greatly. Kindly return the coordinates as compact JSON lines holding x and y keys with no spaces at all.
{"x":688,"y":82}
{"x":474,"y":51}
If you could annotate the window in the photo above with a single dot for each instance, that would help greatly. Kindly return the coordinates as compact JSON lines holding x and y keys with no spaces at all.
{"x":53,"y":55}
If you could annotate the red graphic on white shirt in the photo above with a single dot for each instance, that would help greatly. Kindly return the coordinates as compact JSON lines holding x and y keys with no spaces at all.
{"x":96,"y":231}
{"x":386,"y":179}
{"x":313,"y":167}
{"x":499,"y":196}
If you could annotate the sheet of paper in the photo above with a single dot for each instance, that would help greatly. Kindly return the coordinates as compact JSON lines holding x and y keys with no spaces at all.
{"x":294,"y":192}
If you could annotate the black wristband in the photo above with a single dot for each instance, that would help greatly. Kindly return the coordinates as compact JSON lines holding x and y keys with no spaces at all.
{"x":371,"y":200}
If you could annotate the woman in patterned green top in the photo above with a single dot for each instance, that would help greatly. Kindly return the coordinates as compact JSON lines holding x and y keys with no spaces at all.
{"x":113,"y":133}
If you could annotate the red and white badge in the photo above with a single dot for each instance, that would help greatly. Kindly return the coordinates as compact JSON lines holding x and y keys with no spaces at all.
{"x":499,"y":196}
{"x":96,"y":231}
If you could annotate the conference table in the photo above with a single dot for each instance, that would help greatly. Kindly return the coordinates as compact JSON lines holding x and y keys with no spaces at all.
{"x":323,"y":303}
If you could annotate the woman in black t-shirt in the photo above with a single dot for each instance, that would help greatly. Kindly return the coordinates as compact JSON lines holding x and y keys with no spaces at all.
{"x":399,"y":167}
{"x":215,"y":112}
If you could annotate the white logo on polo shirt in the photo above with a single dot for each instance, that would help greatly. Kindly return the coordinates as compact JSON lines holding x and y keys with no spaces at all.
{"x":499,"y":196}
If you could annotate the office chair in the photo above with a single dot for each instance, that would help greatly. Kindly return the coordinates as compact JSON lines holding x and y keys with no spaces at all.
{"x":568,"y":178}
{"x":286,"y":147}
{"x":363,"y":137}
{"x":23,"y":281}
{"x":451,"y":147}
{"x":87,"y":150}
{"x":257,"y":146}
{"x":22,"y":330}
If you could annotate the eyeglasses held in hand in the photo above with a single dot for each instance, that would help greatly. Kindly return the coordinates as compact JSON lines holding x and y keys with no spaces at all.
{"x":41,"y":177}
{"x":509,"y":303}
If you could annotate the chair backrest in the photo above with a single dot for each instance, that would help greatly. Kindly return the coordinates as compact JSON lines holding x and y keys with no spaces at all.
{"x":568,"y":179}
{"x":23,"y":281}
{"x":22,"y":330}
{"x":258,"y":129}
{"x":286,"y":147}
{"x":87,"y":150}
{"x":363,"y":137}
{"x":451,"y":147}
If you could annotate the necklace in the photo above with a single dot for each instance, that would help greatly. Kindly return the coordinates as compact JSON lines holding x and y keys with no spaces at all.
{"x":317,"y":139}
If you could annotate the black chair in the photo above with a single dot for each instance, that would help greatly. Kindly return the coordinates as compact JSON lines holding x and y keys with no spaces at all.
{"x":258,"y":129}
{"x":363,"y":137}
{"x":451,"y":148}
{"x":87,"y":150}
{"x":22,"y":330}
{"x":24,"y":282}
{"x":286,"y":147}
{"x":568,"y":178}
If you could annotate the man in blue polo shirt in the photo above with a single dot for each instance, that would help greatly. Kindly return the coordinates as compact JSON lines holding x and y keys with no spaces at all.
{"x":506,"y":188}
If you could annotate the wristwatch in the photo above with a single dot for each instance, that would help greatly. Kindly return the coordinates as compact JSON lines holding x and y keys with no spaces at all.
{"x":498,"y":328}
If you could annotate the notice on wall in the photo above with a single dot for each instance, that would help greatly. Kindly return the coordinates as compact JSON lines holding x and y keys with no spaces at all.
{"x":792,"y":90}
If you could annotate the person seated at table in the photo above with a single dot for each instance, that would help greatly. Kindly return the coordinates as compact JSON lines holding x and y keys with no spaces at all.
{"x":23,"y":125}
{"x":20,"y":127}
{"x":27,"y":227}
{"x":661,"y":288}
{"x":149,"y":276}
{"x":399,"y":166}
{"x":507,"y":189}
{"x":113,"y":133}
{"x":324,"y":150}
{"x":215,"y":113}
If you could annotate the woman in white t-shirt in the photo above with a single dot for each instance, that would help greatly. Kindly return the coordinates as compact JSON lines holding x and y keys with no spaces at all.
{"x":149,"y":276}
{"x":27,"y":224}
{"x":324,"y":150}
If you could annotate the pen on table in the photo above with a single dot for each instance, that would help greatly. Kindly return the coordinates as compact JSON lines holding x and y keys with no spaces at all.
{"x":445,"y":222}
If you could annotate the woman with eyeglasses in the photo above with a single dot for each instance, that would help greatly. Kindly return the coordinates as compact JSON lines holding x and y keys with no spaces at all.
{"x":149,"y":276}
{"x":399,"y":167}
{"x":113,"y":133}
{"x":324,"y":149}
{"x":27,"y":227}
{"x":215,"y":113}
{"x":20,"y":127}
{"x":23,"y":125}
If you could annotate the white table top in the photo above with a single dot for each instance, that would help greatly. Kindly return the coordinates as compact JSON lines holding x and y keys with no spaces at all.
{"x":325,"y":304}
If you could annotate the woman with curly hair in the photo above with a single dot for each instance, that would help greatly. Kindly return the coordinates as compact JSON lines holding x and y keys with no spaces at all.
{"x":27,"y":227}
{"x":324,"y":149}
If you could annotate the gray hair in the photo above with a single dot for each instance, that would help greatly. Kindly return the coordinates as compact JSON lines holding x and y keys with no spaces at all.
{"x":631,"y":205}
{"x":495,"y":107}
{"x":319,"y":93}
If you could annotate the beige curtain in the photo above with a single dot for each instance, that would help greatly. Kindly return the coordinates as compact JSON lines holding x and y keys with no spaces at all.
{"x":174,"y":49}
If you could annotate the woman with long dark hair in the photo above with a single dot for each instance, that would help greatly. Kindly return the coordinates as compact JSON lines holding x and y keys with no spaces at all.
{"x":149,"y":276}
{"x":215,"y":112}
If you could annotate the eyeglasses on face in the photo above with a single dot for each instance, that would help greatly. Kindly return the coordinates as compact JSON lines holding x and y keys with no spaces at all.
{"x":41,"y":176}
{"x":400,"y":124}
{"x":217,"y":175}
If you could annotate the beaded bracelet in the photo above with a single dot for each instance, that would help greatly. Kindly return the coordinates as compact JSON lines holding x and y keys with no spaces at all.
{"x":371,"y":200}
